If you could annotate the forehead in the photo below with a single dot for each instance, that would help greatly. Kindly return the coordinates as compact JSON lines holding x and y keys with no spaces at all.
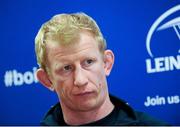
{"x":85,"y":45}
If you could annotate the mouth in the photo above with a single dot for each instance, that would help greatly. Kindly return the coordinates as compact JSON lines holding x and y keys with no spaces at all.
{"x":86,"y":93}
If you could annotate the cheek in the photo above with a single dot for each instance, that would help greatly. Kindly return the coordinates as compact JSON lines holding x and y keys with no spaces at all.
{"x":97,"y":76}
{"x":63,"y":87}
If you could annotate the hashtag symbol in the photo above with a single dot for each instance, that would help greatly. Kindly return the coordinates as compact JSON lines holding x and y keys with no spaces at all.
{"x":8,"y":78}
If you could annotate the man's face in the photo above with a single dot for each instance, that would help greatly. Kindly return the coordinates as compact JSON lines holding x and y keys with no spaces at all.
{"x":78,"y":73}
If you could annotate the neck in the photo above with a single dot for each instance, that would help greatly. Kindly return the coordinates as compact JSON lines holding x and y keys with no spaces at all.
{"x":80,"y":118}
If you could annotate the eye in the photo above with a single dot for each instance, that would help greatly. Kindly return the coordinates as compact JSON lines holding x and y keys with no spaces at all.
{"x":88,"y":62}
{"x":64,"y":69}
{"x":67,"y":68}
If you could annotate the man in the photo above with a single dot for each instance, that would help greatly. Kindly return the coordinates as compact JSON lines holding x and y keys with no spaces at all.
{"x":74,"y":62}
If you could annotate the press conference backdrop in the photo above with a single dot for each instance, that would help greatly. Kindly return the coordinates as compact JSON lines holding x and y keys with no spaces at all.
{"x":144,"y":35}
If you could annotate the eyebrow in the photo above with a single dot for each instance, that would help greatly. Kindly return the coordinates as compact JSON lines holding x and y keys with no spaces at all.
{"x":59,"y":65}
{"x":63,"y":61}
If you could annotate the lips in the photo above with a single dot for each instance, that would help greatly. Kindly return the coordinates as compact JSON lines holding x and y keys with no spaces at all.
{"x":84,"y":93}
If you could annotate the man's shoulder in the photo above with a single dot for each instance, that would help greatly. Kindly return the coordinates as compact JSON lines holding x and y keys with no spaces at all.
{"x":53,"y":116}
{"x":128,"y":116}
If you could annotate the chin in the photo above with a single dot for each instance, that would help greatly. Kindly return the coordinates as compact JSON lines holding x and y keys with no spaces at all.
{"x":89,"y":105}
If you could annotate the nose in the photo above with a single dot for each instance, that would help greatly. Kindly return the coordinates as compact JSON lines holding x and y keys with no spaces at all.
{"x":80,"y":78}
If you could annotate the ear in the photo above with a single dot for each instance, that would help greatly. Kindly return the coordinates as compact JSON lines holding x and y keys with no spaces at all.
{"x":44,"y":79}
{"x":108,"y":61}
